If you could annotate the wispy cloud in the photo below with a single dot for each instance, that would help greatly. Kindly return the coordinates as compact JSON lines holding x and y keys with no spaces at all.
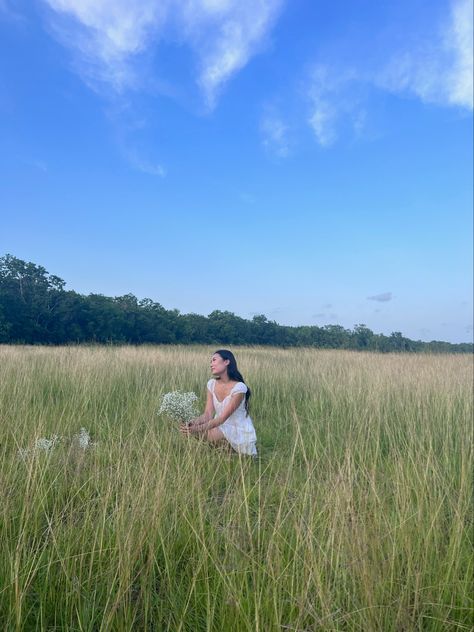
{"x":324,"y":110}
{"x":131,"y":131}
{"x":39,"y":164}
{"x":382,"y":298}
{"x":108,"y":36}
{"x":333,"y":97}
{"x":146,"y":166}
{"x":275,"y":134}
{"x":440,"y":69}
{"x":437,"y":68}
{"x":8,"y":13}
{"x":225,"y":34}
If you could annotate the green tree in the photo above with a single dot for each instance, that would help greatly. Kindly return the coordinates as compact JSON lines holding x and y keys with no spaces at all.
{"x":35,"y":308}
{"x":29,"y":296}
{"x":363,"y":337}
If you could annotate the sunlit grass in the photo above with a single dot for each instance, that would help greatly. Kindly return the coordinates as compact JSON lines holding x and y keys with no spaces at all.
{"x":357,"y":514}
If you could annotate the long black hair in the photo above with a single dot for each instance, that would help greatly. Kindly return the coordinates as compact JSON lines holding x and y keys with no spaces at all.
{"x":234,"y":373}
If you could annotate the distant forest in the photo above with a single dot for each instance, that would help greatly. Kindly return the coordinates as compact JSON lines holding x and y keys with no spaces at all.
{"x":36,"y":309}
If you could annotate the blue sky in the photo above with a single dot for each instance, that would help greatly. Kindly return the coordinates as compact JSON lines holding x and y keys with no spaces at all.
{"x":308,"y":160}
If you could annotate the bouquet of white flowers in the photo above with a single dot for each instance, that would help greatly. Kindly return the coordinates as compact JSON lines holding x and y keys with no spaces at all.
{"x":179,"y":406}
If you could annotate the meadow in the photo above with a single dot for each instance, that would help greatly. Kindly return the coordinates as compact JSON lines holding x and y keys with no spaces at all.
{"x":357,"y":514}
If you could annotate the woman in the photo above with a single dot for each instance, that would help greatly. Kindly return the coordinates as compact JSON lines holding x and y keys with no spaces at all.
{"x":227,"y":396}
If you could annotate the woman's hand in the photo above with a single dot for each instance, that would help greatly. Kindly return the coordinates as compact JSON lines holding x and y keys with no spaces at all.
{"x":190,"y":429}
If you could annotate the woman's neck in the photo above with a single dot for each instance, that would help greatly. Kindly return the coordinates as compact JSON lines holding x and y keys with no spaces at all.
{"x":223,"y":378}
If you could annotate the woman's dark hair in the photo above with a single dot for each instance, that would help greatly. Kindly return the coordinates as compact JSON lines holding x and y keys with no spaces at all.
{"x":234,"y":373}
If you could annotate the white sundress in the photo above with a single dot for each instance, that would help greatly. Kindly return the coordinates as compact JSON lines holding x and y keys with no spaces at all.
{"x":238,"y":429}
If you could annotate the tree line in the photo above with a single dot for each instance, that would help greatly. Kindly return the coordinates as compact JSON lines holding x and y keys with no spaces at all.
{"x":35,"y":308}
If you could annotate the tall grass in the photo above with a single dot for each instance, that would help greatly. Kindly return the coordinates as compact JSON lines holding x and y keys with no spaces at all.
{"x":357,"y":514}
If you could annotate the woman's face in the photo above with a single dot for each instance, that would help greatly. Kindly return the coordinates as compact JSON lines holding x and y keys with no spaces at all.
{"x":218,"y":365}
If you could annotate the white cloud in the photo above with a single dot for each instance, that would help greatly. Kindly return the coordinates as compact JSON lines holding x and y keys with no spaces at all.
{"x":275,"y":134}
{"x":324,"y":111}
{"x":146,"y":166}
{"x":108,"y":35}
{"x":323,"y":120}
{"x":225,"y":34}
{"x":440,"y":69}
{"x":131,"y":131}
{"x":333,"y":97}
{"x":114,"y":41}
{"x":40,"y":165}
{"x":461,"y":41}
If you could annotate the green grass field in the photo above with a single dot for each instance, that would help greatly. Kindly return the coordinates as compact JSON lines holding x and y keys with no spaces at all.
{"x":357,"y":515}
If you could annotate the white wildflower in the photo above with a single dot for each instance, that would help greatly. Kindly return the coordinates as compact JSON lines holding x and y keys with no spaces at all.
{"x":46,"y":444}
{"x":41,"y":445}
{"x":23,"y":453}
{"x":82,"y":439}
{"x":179,"y":406}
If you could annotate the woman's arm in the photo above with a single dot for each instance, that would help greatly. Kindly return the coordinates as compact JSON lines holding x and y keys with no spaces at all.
{"x":198,"y":425}
{"x":197,"y":421}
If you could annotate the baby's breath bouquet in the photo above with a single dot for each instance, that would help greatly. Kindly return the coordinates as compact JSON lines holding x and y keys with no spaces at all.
{"x":179,"y":406}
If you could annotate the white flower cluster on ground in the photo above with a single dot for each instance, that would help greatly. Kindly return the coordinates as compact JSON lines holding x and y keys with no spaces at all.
{"x":179,"y":406}
{"x":82,"y":440}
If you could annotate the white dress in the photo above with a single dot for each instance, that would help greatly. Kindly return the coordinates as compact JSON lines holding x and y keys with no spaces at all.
{"x":238,"y":429}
